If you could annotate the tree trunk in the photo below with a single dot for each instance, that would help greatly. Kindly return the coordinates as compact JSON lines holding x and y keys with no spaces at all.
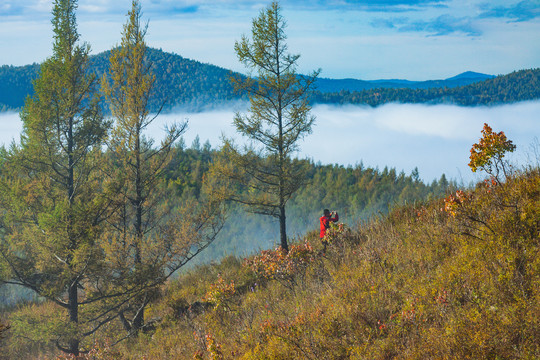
{"x":283,"y":229}
{"x":73,"y":302}
{"x":73,"y":296}
{"x":138,"y":199}
{"x":138,"y":321}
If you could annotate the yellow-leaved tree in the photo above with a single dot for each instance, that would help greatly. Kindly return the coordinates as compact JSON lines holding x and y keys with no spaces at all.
{"x":148,"y":237}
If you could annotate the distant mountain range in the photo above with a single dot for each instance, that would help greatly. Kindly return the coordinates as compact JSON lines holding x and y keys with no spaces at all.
{"x":335,"y":85}
{"x":190,"y":84}
{"x":520,"y":85}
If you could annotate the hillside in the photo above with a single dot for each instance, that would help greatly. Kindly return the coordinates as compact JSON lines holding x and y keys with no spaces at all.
{"x":420,"y":283}
{"x":182,"y":82}
{"x":358,"y":192}
{"x":452,"y":279}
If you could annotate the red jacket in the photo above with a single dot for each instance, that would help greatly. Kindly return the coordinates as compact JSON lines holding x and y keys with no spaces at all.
{"x":325,"y":223}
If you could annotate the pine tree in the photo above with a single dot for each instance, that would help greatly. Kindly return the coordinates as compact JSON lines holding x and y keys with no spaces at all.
{"x":279,"y":116}
{"x":148,"y":243}
{"x":50,"y":188}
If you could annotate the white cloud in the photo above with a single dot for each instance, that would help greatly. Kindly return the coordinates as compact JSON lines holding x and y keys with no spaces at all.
{"x":10,"y":128}
{"x":446,"y":122}
{"x":436,"y":139}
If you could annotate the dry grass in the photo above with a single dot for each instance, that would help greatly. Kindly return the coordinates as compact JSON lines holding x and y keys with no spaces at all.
{"x":419,"y":283}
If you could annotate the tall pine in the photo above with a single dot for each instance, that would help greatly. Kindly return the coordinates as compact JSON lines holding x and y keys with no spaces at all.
{"x":147,"y":241}
{"x":50,"y":186}
{"x":278,"y":117}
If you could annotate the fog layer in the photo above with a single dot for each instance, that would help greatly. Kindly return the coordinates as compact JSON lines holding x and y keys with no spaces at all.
{"x":434,"y":138}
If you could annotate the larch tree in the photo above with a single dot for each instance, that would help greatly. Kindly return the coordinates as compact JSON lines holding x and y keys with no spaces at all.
{"x":52,"y":211}
{"x":147,"y":242}
{"x":265,"y":173}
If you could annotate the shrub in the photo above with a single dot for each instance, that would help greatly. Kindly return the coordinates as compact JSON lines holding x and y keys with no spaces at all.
{"x":220,"y":293}
{"x":280,"y":265}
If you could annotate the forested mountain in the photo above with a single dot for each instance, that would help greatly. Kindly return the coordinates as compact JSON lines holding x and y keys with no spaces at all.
{"x":15,"y":85}
{"x":517,"y":86}
{"x":179,"y":82}
{"x":197,"y":86}
{"x":182,"y":82}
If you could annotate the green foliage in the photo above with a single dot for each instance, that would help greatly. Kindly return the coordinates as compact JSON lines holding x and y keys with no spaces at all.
{"x":279,"y":117}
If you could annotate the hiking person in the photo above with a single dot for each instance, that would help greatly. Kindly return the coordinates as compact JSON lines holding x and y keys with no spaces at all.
{"x":325,"y":224}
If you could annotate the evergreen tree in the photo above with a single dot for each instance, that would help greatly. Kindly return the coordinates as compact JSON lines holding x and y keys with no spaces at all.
{"x":278,"y":117}
{"x":147,"y":243}
{"x":50,"y":185}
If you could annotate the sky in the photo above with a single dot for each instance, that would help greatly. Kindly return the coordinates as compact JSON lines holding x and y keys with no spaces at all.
{"x":362,"y":39}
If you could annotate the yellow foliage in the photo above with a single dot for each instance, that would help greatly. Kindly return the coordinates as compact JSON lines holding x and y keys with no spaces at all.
{"x":416,"y":284}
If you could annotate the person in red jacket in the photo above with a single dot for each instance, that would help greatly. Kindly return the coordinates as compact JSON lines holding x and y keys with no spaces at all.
{"x":325,"y":223}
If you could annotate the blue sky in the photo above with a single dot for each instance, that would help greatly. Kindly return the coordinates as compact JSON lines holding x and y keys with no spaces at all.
{"x":365,"y":39}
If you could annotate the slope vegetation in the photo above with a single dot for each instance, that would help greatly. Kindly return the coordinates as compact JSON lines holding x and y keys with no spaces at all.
{"x":457,"y":278}
{"x":453,"y":279}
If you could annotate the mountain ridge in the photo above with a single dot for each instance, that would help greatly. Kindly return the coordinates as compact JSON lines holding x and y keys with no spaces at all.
{"x":196,"y":86}
{"x":351,"y":84}
{"x":517,"y":86}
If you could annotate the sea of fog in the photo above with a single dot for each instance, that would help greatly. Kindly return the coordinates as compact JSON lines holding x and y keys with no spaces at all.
{"x":434,"y":138}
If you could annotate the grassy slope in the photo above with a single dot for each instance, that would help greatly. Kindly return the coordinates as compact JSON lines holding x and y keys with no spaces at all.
{"x":417,"y":284}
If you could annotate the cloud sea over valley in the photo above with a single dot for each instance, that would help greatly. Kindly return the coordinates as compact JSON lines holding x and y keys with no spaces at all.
{"x":434,"y":138}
